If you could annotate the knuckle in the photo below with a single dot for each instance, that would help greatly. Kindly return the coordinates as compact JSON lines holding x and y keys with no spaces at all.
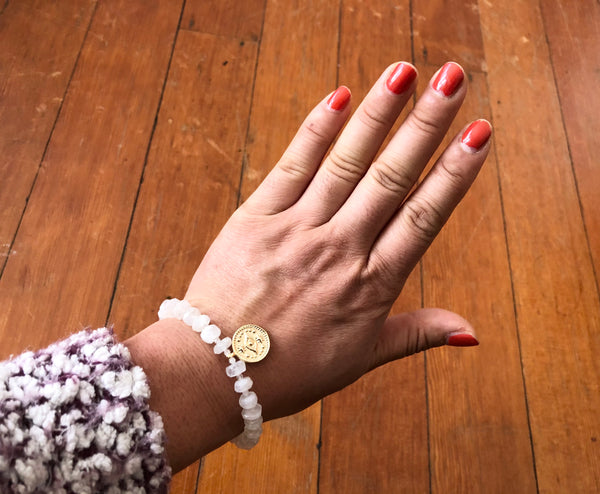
{"x":423,"y":218}
{"x":295,"y":168}
{"x":419,"y":341}
{"x":392,"y":178}
{"x":373,"y":118}
{"x":383,"y":274}
{"x":451,"y":173}
{"x":345,"y":166}
{"x":424,"y":123}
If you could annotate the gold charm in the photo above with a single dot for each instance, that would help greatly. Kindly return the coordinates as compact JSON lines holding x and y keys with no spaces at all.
{"x":251,"y":343}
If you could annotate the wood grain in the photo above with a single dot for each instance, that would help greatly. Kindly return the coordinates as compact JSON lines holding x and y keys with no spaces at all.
{"x":555,"y":292}
{"x":374,"y":433}
{"x":296,"y":68}
{"x":448,"y":30}
{"x":193,"y":169}
{"x":40,"y":43}
{"x":74,"y":227}
{"x":479,"y":432}
{"x":232,"y":18}
{"x":518,"y":258}
{"x":573,"y":31}
{"x":203,"y":149}
{"x":190,"y":180}
{"x":186,"y":481}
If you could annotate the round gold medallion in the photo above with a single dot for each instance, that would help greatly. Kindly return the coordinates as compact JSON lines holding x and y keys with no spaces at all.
{"x":251,"y":343}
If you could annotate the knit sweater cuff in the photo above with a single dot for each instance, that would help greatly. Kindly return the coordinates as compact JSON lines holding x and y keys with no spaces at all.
{"x":74,"y":417}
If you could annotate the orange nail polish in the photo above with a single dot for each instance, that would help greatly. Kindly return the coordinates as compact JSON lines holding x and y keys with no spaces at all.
{"x":477,"y":134}
{"x":448,"y":79}
{"x":462,"y":339}
{"x":339,"y":99}
{"x":401,"y":78}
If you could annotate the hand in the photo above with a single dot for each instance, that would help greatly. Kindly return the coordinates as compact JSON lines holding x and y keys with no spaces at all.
{"x":320,"y":252}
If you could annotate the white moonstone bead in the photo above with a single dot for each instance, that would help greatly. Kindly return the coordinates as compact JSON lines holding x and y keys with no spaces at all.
{"x":242,"y":385}
{"x":167,"y":308}
{"x":210,"y":333}
{"x":243,"y":442}
{"x":222,"y":345}
{"x":236,"y":369}
{"x":248,"y":399}
{"x":200,"y":322}
{"x":252,"y":413}
{"x":181,"y":308}
{"x":190,"y":315}
{"x":253,"y":425}
{"x":253,"y":435}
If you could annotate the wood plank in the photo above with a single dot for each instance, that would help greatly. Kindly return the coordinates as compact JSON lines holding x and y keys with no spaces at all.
{"x":71,"y":237}
{"x":296,"y":68}
{"x":383,"y":413}
{"x":193,"y":168}
{"x":40,"y":42}
{"x":190,"y":181}
{"x":555,"y":292}
{"x":479,"y":431}
{"x":186,"y":481}
{"x":573,"y":31}
{"x":476,"y":396}
{"x":219,"y":18}
{"x":374,"y":432}
{"x":446,"y":30}
{"x":63,"y":265}
{"x":225,"y":18}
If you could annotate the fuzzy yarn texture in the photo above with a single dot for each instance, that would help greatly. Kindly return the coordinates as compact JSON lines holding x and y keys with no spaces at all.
{"x":74,"y":417}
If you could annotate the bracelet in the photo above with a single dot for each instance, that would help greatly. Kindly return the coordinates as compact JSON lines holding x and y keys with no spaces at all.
{"x":250,"y":344}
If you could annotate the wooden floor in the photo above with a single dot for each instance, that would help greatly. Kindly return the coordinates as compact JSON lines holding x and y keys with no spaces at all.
{"x":130,"y":130}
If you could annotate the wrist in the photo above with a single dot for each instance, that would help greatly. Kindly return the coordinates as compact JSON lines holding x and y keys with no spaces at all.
{"x":189,"y":389}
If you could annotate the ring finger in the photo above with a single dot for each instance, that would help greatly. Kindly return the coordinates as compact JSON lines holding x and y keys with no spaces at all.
{"x":414,"y":226}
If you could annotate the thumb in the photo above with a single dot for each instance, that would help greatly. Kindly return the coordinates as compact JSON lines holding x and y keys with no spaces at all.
{"x":412,"y":332}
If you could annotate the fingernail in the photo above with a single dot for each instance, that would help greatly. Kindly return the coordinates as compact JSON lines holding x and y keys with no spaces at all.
{"x":448,"y":78}
{"x":477,"y":134}
{"x":462,"y":339}
{"x":339,"y":99}
{"x":401,"y":78}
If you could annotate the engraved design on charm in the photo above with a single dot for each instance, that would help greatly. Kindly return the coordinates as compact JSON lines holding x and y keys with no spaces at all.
{"x":251,"y":343}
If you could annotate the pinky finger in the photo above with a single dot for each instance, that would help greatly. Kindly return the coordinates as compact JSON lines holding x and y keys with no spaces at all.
{"x":288,"y":180}
{"x":418,"y":221}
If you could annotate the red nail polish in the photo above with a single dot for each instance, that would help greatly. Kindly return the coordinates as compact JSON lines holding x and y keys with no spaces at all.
{"x":448,"y":78}
{"x":477,"y":134}
{"x":462,"y":339}
{"x":339,"y":99}
{"x":401,"y":78}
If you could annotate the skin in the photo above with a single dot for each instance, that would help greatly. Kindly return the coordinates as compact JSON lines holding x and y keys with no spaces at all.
{"x":317,"y":256}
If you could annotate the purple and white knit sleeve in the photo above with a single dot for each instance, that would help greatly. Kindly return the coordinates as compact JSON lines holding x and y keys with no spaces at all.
{"x":75,"y":418}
